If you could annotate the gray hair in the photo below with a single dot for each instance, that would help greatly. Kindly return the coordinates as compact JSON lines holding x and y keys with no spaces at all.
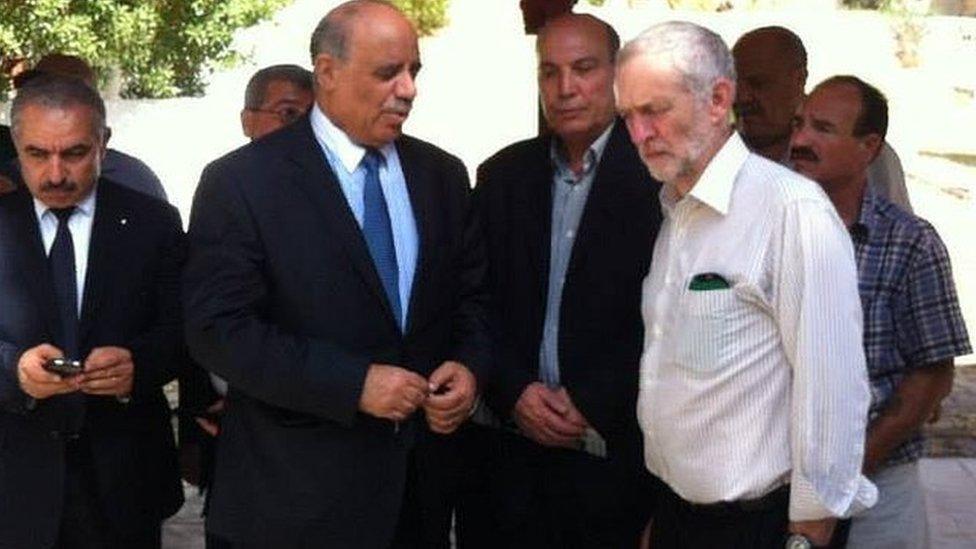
{"x":55,"y":92}
{"x":257,"y":87}
{"x":699,"y":55}
{"x":331,"y":35}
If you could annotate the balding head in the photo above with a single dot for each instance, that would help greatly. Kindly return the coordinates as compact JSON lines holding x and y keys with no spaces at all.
{"x":366,"y":58}
{"x":576,"y":55}
{"x":771,"y":64}
{"x":332,"y":34}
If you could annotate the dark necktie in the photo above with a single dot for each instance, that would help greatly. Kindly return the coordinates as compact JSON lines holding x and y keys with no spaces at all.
{"x":62,"y":263}
{"x":379,"y":233}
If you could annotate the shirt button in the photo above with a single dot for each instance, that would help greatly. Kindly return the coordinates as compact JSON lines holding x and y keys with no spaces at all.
{"x":569,"y":234}
{"x":657,"y":331}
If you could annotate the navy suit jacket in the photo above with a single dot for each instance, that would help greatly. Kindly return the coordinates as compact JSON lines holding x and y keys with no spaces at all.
{"x":282,"y":300}
{"x":130,"y":300}
{"x":600,"y":328}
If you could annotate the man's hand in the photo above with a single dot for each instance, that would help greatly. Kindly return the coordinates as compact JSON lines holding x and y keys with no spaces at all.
{"x":211,"y":425}
{"x":549,"y":417}
{"x":38,"y":382}
{"x":108,"y":372}
{"x":452,"y":389}
{"x":391,"y":392}
{"x":818,"y":532}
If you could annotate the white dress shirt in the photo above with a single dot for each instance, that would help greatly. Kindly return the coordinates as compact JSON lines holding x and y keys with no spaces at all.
{"x":80,"y":226}
{"x":344,"y":156}
{"x":747,"y":388}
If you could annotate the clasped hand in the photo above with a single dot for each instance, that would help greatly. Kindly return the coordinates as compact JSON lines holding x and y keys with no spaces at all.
{"x":395,"y":393}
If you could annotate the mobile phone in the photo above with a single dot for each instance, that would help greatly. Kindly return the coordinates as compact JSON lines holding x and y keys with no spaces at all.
{"x":64,"y":367}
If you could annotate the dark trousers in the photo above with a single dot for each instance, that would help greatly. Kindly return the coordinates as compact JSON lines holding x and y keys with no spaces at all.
{"x":83,"y":522}
{"x":757,"y":524}
{"x":572,"y":499}
{"x":443,"y":471}
{"x":505,"y":491}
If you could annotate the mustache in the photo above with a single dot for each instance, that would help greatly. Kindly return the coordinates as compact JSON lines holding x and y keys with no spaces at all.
{"x":803,"y":153}
{"x":399,"y":106}
{"x":65,"y":186}
{"x":746,"y":109}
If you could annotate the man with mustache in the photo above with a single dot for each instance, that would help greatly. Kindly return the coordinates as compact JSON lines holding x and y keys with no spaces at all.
{"x":913,"y":327}
{"x":89,"y":272}
{"x":771,"y":65}
{"x":573,"y":214}
{"x":753,"y":391}
{"x":334,"y":284}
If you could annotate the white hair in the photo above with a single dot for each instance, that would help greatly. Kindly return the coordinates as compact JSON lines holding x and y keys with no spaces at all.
{"x":699,"y":55}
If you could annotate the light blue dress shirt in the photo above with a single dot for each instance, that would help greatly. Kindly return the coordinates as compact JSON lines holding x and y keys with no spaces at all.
{"x":569,"y":194}
{"x":344,"y":156}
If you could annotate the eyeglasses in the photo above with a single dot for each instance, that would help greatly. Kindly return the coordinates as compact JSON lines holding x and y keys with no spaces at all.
{"x":286,"y":115}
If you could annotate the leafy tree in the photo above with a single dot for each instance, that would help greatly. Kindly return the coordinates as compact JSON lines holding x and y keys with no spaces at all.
{"x":155,"y":48}
{"x":427,"y":15}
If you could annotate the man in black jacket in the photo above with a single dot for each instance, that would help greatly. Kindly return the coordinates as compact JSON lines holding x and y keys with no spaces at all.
{"x":89,"y":272}
{"x":332,"y":284}
{"x":570,"y":220}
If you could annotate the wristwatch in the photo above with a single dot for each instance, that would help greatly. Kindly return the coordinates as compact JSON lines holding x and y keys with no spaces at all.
{"x":797,"y":541}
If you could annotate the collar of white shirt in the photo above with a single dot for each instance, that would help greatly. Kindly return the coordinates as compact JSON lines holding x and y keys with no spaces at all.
{"x":714,"y":187}
{"x":86,"y":207}
{"x":332,"y":137}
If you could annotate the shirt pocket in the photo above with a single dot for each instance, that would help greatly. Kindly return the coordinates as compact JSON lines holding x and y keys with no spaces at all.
{"x":706,"y":330}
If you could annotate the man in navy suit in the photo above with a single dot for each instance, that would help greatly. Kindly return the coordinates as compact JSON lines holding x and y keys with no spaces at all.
{"x":334,"y":283}
{"x":89,"y":271}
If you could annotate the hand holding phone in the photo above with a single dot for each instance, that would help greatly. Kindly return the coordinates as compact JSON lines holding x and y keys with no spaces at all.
{"x":64,"y":367}
{"x":36,"y":377}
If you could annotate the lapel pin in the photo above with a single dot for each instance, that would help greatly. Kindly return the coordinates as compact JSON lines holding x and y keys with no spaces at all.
{"x":123,"y":221}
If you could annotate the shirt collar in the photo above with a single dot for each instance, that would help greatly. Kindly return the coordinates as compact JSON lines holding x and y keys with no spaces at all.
{"x":86,"y":207}
{"x":869,"y":218}
{"x":590,"y":159}
{"x":349,"y":153}
{"x":714,"y":186}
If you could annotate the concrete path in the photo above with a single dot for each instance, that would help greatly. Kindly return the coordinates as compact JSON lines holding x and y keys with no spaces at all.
{"x":950,"y":498}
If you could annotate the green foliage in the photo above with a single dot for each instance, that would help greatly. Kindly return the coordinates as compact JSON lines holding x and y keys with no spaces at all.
{"x":862,"y":4}
{"x":158,"y":48}
{"x":427,"y":15}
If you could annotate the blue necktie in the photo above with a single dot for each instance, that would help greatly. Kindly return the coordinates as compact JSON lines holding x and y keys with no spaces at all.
{"x":62,"y":264}
{"x":379,"y":233}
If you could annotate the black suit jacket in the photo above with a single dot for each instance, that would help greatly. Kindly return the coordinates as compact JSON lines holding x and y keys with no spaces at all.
{"x":131,"y":300}
{"x":600,"y":328}
{"x":7,"y":150}
{"x":282,"y":300}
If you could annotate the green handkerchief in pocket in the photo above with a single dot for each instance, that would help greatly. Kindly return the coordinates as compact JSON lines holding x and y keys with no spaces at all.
{"x":708,"y":281}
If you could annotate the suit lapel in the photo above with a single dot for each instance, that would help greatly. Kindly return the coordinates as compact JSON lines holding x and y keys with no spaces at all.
{"x":539,"y":214}
{"x":317,"y":180}
{"x":601,"y":204}
{"x":421,"y":202}
{"x":25,"y":240}
{"x":108,"y":238}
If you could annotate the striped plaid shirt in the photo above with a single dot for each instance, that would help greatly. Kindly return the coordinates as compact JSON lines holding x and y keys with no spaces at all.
{"x":911,"y":313}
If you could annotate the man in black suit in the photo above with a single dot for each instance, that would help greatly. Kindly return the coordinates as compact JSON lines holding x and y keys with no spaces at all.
{"x":333,"y":284}
{"x":570,"y":220}
{"x":89,"y":271}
